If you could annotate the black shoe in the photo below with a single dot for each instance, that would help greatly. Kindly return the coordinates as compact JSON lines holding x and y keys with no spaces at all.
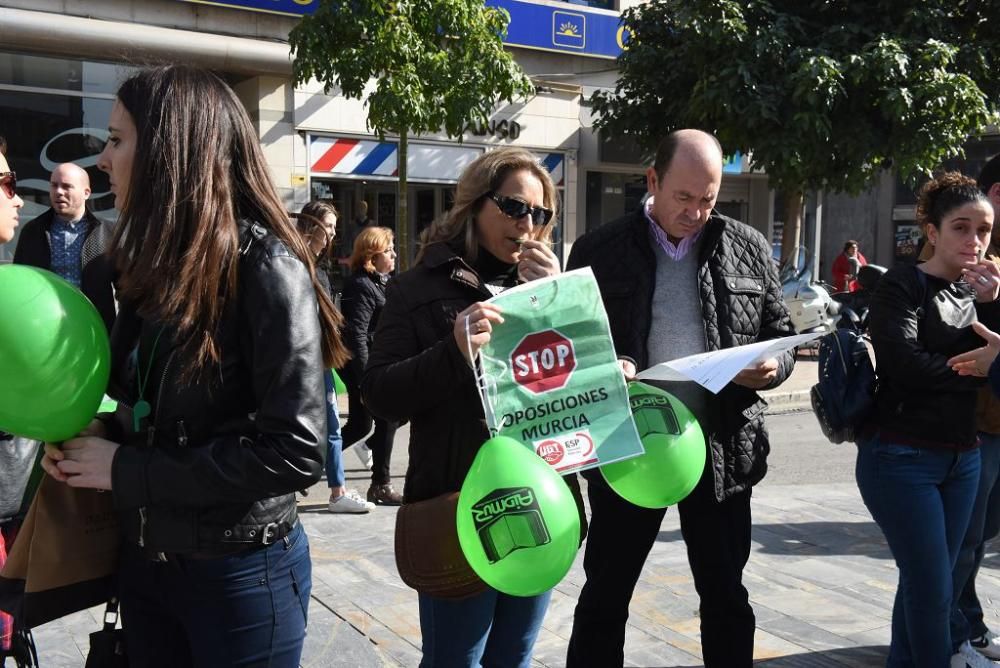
{"x":384,"y":495}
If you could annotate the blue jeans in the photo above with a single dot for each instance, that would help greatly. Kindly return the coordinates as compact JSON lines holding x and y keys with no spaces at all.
{"x":491,"y":630}
{"x":921,"y":499}
{"x":247,"y":609}
{"x":967,"y":612}
{"x":334,"y":443}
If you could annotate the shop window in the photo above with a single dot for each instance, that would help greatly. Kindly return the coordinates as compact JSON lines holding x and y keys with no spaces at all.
{"x":611,"y":196}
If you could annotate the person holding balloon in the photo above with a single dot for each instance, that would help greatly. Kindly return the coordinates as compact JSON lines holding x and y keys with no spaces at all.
{"x":217,"y":362}
{"x":420,"y":368}
{"x":678,"y":279}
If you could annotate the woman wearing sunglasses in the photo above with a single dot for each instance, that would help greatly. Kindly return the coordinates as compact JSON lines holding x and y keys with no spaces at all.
{"x":217,"y":360}
{"x":420,"y":369}
{"x":10,"y":203}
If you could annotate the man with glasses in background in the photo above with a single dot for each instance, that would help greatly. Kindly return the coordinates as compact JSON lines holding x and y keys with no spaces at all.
{"x":678,"y":279}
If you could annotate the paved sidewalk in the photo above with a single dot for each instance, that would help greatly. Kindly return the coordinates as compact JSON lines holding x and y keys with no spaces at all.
{"x":820,"y":577}
{"x":793,"y":394}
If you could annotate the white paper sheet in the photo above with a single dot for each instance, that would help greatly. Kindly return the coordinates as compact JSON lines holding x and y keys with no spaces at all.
{"x":715,"y":369}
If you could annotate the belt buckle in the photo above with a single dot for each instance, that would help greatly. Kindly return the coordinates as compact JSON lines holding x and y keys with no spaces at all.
{"x":268,"y":535}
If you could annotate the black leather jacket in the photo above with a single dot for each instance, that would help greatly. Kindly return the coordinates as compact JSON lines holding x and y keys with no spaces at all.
{"x":916,"y":326}
{"x":215,"y":467}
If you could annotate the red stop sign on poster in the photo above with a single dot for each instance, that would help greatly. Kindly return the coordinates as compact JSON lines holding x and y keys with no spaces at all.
{"x":543,"y":361}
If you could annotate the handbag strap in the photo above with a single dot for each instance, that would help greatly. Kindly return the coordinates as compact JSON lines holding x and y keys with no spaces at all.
{"x":111,"y":614}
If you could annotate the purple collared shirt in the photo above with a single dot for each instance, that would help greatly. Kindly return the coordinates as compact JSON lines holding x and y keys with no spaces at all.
{"x":673,"y":251}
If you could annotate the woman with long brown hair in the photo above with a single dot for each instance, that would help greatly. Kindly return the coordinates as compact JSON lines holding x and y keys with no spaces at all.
{"x":420,"y":369}
{"x":317,"y":223}
{"x":217,"y":364}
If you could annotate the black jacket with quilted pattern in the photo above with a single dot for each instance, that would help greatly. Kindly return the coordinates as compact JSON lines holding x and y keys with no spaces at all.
{"x":741,"y":303}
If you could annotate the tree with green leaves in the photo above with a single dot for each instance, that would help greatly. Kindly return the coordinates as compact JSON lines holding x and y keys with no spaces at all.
{"x":434,"y":65}
{"x":823,"y":94}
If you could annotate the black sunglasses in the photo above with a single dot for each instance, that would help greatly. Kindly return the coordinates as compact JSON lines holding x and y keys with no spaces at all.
{"x":515,"y":208}
{"x":8,"y":183}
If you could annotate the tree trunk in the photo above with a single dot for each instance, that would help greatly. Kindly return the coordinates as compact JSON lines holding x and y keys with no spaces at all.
{"x":792,"y":230}
{"x":402,"y":214}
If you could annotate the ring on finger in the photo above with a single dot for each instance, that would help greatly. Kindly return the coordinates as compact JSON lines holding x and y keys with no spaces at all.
{"x":983,"y":280}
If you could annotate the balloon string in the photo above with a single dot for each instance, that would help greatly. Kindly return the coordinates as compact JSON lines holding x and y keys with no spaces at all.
{"x":482,"y":384}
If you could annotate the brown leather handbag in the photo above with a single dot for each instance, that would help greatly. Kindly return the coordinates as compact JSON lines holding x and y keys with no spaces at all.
{"x":429,"y":557}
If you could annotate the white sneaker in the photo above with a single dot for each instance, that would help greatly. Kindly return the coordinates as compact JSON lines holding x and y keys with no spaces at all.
{"x":350,"y":502}
{"x":987,"y":644}
{"x":364,"y":454}
{"x":967,"y":657}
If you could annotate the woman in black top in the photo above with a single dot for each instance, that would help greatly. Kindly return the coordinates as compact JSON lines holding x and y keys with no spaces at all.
{"x":217,"y":360}
{"x":918,"y":464}
{"x":372,"y":261}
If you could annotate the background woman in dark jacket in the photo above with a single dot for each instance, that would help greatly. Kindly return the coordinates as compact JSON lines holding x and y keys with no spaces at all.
{"x":420,"y":369}
{"x":217,"y":359}
{"x":373,"y":259}
{"x":918,"y":467}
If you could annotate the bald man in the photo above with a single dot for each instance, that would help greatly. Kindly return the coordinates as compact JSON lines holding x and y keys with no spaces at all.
{"x":70,"y":241}
{"x":677,"y":279}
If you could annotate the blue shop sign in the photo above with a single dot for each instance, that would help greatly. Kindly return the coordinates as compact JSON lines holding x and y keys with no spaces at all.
{"x":560,"y":27}
{"x":566,"y":29}
{"x":289,"y":7}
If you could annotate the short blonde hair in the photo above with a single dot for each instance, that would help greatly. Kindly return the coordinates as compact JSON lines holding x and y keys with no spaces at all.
{"x":370,"y":242}
{"x":485,"y":175}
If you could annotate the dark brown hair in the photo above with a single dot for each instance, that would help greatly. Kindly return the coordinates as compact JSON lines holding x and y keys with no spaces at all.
{"x":198,"y":169}
{"x":311,"y":217}
{"x":945,"y":193}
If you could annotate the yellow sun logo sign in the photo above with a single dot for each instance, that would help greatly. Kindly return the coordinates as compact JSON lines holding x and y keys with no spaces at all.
{"x":569,"y":29}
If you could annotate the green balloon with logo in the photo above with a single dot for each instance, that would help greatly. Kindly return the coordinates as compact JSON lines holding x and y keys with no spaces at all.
{"x":517,"y":521}
{"x":54,"y":355}
{"x":675,"y":451}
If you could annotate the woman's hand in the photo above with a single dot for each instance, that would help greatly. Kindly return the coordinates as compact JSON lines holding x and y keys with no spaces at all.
{"x":536,"y":261}
{"x":473,"y":327}
{"x":984,"y":277}
{"x":977,"y":362}
{"x":84,"y":461}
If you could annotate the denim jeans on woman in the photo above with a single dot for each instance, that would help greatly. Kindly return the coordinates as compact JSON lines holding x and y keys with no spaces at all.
{"x":967,"y":611}
{"x":491,"y":630}
{"x":921,"y":498}
{"x":334,"y":442}
{"x":247,"y":609}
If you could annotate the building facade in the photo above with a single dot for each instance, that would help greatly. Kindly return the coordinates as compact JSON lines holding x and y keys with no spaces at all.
{"x":60,"y":63}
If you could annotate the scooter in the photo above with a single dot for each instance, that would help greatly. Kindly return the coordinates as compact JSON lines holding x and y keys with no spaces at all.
{"x":809,"y":303}
{"x":854,"y":306}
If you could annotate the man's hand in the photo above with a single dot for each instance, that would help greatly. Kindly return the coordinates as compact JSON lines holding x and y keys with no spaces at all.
{"x":758,"y":376}
{"x":628,"y":369}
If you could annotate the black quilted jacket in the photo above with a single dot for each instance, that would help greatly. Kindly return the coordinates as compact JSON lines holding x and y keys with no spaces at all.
{"x":741,"y":302}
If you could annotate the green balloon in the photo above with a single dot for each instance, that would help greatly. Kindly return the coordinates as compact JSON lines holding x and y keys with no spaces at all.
{"x":675,"y":451}
{"x":108,"y":405}
{"x":517,"y":521}
{"x":54,"y":355}
{"x":338,"y":384}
